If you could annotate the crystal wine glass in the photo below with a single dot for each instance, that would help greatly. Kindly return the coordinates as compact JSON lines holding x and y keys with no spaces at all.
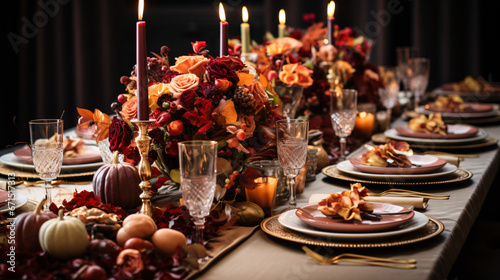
{"x":198,"y":161}
{"x":343,"y":113}
{"x":47,"y":151}
{"x":420,"y":69}
{"x":404,"y":56}
{"x":389,"y":94}
{"x":291,"y":138}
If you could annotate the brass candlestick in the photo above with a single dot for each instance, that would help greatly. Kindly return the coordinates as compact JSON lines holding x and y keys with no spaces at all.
{"x":143,"y":141}
{"x":332,"y":77}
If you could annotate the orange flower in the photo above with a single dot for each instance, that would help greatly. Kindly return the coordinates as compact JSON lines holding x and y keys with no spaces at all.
{"x":295,"y":74}
{"x":154,"y":92}
{"x":194,"y":64}
{"x":129,"y":108}
{"x":258,"y":92}
{"x":347,"y":204}
{"x":181,"y":83}
{"x":283,"y":45}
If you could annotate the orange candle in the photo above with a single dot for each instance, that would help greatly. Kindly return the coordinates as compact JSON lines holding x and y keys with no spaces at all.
{"x":263,"y":193}
{"x":364,"y":124}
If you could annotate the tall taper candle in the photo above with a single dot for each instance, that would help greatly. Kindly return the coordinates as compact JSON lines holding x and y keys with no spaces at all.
{"x":223,"y":31}
{"x":245,"y":31}
{"x":282,"y":25}
{"x":141,"y":68}
{"x":330,"y":13}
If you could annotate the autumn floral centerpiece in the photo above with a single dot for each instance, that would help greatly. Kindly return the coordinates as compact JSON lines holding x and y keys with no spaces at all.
{"x":198,"y":97}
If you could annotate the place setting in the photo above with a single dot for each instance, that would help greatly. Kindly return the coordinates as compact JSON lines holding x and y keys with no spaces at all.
{"x":394,"y":163}
{"x":456,"y":109}
{"x":328,"y":221}
{"x":78,"y":158}
{"x":434,"y":132}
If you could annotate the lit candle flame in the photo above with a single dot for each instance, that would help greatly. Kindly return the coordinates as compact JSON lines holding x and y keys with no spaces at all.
{"x":331,"y":9}
{"x":362,"y":115}
{"x":141,"y":9}
{"x":222,"y":14}
{"x":282,"y":16}
{"x":244,"y":14}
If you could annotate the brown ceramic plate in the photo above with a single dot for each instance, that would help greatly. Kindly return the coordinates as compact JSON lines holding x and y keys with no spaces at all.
{"x":421,"y":164}
{"x":455,"y":131}
{"x":90,"y":154}
{"x":313,"y":217}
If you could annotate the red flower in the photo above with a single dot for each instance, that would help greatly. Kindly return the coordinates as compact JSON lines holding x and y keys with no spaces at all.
{"x":187,"y":99}
{"x":201,"y":115}
{"x":120,"y":135}
{"x":199,"y":46}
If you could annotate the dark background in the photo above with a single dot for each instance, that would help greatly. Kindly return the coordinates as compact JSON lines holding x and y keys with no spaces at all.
{"x":72,"y":53}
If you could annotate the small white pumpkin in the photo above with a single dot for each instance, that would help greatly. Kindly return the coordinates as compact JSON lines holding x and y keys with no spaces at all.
{"x":63,"y":237}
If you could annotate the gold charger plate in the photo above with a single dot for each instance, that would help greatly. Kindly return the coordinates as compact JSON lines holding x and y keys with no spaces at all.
{"x":458,"y":176}
{"x":28,"y":174}
{"x":380,"y":138}
{"x":273,"y":227}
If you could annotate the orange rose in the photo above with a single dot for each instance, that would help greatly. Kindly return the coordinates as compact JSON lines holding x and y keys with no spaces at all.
{"x":181,"y":83}
{"x":294,"y":74}
{"x":190,"y":65}
{"x":283,"y":45}
{"x":129,"y":108}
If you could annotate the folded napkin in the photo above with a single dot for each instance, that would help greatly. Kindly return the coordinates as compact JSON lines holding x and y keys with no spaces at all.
{"x":451,"y":159}
{"x":416,"y":202}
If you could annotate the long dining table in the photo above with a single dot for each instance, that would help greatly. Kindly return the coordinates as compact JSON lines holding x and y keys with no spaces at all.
{"x":259,"y":255}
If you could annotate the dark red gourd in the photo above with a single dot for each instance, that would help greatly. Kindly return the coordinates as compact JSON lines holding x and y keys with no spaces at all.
{"x":118,"y":183}
{"x":27,"y":226}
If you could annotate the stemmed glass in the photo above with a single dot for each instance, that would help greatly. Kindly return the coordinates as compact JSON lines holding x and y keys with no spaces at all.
{"x":198,"y":161}
{"x":404,"y":57}
{"x":46,"y":138}
{"x":420,"y":69}
{"x":343,"y":112}
{"x":389,"y":94}
{"x":291,"y":138}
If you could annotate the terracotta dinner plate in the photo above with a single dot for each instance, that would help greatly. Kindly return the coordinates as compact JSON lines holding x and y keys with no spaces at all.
{"x":313,"y":217}
{"x":90,"y":154}
{"x":469,"y":108}
{"x":421,"y":164}
{"x":455,"y":131}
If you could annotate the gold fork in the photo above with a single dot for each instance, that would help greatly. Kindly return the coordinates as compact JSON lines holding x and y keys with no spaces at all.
{"x":322,"y":260}
{"x":411,"y":193}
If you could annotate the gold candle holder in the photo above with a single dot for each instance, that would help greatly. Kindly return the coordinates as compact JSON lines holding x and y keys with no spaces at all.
{"x":332,"y":78}
{"x":143,"y":143}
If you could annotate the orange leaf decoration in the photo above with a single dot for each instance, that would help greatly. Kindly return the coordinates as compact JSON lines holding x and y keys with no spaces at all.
{"x":101,"y":120}
{"x":85,"y":113}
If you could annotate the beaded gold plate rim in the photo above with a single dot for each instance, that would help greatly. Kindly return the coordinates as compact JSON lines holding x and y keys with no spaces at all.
{"x":458,"y":176}
{"x":273,"y":227}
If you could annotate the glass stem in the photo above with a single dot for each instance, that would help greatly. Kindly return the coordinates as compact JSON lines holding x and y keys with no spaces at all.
{"x":343,"y":142}
{"x":198,"y":234}
{"x":48,"y":196}
{"x":389,"y":113}
{"x":293,"y":191}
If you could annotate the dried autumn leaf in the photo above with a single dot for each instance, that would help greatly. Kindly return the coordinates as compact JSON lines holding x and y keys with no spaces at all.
{"x":85,"y":113}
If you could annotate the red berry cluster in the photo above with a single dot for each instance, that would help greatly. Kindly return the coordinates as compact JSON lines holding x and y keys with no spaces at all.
{"x":231,"y":181}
